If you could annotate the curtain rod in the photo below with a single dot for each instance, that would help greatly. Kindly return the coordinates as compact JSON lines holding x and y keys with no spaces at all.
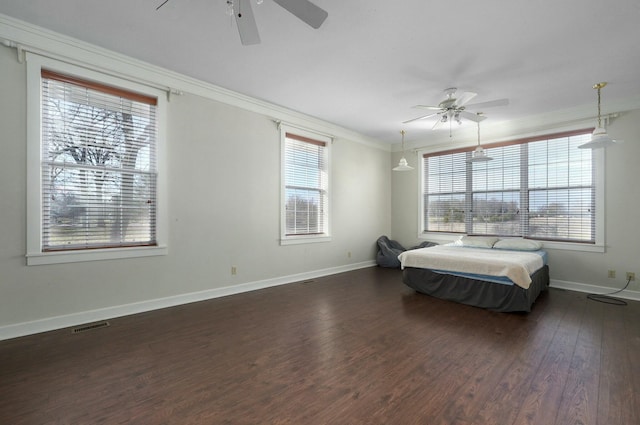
{"x":22,"y":50}
{"x":280,"y":122}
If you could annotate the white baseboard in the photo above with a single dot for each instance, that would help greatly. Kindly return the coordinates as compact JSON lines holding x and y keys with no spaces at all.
{"x":75,"y":319}
{"x":594,"y":289}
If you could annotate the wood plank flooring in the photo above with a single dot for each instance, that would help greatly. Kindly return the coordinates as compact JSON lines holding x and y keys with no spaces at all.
{"x":354,"y":348}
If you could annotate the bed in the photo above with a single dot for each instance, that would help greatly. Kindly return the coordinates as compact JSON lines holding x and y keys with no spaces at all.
{"x":504,"y":277}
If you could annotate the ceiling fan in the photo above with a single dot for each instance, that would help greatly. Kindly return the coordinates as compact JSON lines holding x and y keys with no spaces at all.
{"x":455,"y":109}
{"x":306,"y":11}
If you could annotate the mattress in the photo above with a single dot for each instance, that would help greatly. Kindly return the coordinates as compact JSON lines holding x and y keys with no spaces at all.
{"x":501,"y":265}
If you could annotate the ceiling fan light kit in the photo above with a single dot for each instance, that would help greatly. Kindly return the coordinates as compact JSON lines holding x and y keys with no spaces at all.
{"x":599,"y":137}
{"x":455,"y":109}
{"x":403,"y":165}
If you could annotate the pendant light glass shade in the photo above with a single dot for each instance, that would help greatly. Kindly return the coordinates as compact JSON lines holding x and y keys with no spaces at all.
{"x":479,"y":154}
{"x":403,"y":165}
{"x":599,"y":137}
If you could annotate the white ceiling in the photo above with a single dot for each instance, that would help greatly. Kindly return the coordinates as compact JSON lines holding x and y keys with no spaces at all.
{"x":372,"y":60}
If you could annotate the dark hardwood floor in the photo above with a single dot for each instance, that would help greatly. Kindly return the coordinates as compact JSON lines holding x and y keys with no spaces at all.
{"x":353,"y":348}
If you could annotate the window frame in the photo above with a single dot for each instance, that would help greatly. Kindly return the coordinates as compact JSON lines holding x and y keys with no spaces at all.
{"x":598,"y":163}
{"x":35,"y":254}
{"x":325,"y":236}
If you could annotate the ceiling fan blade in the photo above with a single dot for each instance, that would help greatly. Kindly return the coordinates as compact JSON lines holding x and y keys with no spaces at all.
{"x":306,"y":11}
{"x":246,"y":23}
{"x":163,"y":3}
{"x":489,"y":104}
{"x":419,"y":118}
{"x":472,"y":117}
{"x":435,"y":108}
{"x":465,"y":98}
{"x":438,"y":124}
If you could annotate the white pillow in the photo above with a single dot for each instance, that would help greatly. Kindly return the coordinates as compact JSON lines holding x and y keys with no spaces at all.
{"x":518,"y":244}
{"x":478,"y":241}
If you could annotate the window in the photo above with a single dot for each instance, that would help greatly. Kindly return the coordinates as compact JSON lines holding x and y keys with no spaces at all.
{"x":97,"y":170}
{"x":305,"y":200}
{"x":543,"y":188}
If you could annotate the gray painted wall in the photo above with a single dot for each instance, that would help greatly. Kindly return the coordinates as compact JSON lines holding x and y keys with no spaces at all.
{"x":224,"y":195}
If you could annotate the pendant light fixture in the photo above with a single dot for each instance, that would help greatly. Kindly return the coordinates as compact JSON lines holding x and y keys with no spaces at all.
{"x":403,"y":165}
{"x":599,"y":138}
{"x":479,"y":155}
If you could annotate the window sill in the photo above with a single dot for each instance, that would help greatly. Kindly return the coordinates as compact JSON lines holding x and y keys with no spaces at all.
{"x":568,"y":246}
{"x":41,"y":258}
{"x":294,"y":240}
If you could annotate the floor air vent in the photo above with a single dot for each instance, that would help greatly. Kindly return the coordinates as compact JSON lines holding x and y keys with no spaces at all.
{"x":90,"y":327}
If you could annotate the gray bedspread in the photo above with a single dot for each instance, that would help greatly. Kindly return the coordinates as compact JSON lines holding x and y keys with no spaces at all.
{"x":489,"y":295}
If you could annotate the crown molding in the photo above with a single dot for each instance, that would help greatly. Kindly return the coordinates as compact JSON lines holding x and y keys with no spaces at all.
{"x":24,"y":36}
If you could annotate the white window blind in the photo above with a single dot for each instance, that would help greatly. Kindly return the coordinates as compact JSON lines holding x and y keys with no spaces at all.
{"x":305,"y":186}
{"x":99,"y":172}
{"x":542,"y":188}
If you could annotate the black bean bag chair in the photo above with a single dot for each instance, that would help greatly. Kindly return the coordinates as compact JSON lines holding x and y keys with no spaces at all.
{"x":388,"y":251}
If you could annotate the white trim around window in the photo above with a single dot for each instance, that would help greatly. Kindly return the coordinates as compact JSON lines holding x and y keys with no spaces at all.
{"x":35,"y":254}
{"x":316,"y":185}
{"x":600,"y":213}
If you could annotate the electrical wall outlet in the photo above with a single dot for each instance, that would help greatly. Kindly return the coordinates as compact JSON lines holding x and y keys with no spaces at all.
{"x":611,"y":274}
{"x":349,"y":254}
{"x":631,"y":276}
{"x":234,"y":270}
